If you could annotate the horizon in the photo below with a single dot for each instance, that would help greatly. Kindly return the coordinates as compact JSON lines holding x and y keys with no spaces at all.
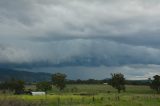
{"x":80,"y":38}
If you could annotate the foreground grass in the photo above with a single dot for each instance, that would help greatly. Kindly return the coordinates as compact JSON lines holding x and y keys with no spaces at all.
{"x":134,"y":96}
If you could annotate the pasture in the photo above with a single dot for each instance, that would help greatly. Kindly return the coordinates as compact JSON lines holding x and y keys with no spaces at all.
{"x":86,"y":95}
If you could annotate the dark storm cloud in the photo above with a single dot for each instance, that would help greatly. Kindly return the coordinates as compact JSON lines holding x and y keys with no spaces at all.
{"x":80,"y":52}
{"x":42,"y":33}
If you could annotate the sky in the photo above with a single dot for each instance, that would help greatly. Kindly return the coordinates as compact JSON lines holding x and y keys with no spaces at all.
{"x":82,"y":38}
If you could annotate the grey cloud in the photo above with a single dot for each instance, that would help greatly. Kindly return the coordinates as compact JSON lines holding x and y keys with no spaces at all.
{"x":81,"y":52}
{"x":9,"y":54}
{"x":111,"y":33}
{"x":81,"y":19}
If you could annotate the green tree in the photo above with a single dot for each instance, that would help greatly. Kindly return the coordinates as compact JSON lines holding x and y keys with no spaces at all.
{"x":16,"y":86}
{"x":11,"y":84}
{"x":155,"y":83}
{"x":59,"y":80}
{"x":118,"y":81}
{"x":44,"y":86}
{"x":19,"y":86}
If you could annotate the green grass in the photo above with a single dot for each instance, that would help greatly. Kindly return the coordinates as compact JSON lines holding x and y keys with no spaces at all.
{"x":134,"y":96}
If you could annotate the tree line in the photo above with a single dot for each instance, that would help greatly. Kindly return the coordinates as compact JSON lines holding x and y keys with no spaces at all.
{"x":59,"y":80}
{"x":18,"y":86}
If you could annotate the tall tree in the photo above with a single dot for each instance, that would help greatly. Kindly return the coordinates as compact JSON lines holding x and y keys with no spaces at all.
{"x":155,"y":83}
{"x":44,"y":86}
{"x":16,"y":86}
{"x":118,"y":81}
{"x":58,"y":80}
{"x":19,"y":86}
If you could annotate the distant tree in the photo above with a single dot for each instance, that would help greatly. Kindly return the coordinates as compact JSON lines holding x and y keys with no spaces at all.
{"x":8,"y":85}
{"x":118,"y":81}
{"x":44,"y":86}
{"x":155,"y":83}
{"x":79,"y":81}
{"x":19,"y":86}
{"x":4,"y":86}
{"x":16,"y":86}
{"x":58,"y":80}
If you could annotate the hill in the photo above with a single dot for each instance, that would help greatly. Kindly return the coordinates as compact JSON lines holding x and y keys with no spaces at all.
{"x":6,"y":74}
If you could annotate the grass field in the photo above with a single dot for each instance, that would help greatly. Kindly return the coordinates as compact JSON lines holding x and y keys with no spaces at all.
{"x":87,"y":95}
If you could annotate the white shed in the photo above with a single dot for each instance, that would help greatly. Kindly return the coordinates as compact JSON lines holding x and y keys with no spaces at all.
{"x":105,"y":83}
{"x":38,"y":93}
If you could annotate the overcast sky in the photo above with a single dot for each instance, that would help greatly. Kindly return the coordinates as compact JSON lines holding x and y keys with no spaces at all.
{"x":82,"y":38}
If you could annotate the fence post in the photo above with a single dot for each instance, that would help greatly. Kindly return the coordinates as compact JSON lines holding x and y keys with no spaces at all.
{"x":58,"y":101}
{"x":82,"y":99}
{"x":71,"y":100}
{"x":93,"y":99}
